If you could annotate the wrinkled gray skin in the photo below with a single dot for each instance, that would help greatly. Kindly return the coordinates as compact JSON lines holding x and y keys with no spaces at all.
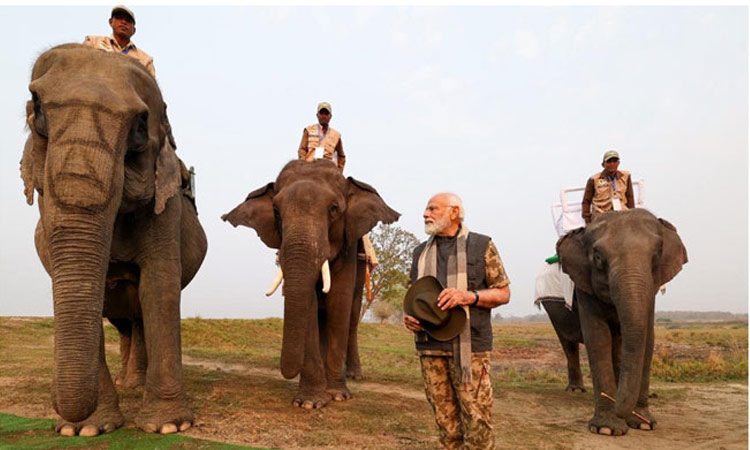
{"x":115,"y":233}
{"x":618,"y":263}
{"x":567,"y":325}
{"x":312,"y":214}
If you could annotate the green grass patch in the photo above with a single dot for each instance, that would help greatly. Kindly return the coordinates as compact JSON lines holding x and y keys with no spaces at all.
{"x":18,"y":432}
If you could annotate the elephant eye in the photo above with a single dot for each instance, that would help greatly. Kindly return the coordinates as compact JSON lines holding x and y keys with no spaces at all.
{"x":333,"y":210}
{"x":40,"y":117}
{"x":599,"y":260}
{"x":138,"y":136}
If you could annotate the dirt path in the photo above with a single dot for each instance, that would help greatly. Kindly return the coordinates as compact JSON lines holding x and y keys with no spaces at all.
{"x":690,"y":416}
{"x":276,"y":374}
{"x":242,"y":404}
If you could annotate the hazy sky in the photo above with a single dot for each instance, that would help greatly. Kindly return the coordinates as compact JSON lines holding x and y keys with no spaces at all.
{"x":502,"y":105}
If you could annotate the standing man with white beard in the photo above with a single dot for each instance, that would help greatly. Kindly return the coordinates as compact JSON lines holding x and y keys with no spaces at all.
{"x":457,"y":372}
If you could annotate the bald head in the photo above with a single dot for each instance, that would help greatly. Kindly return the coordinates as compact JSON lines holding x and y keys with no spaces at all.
{"x":443,"y":214}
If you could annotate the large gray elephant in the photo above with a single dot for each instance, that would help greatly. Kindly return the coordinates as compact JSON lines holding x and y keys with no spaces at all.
{"x":315,"y":217}
{"x":618,"y":263}
{"x":116,"y":234}
{"x":567,"y":326}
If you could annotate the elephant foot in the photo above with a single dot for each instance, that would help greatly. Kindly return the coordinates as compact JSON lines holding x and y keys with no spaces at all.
{"x":354,"y":373}
{"x":104,"y":420}
{"x":164,"y":416}
{"x":641,"y":419}
{"x":339,"y":394}
{"x":607,"y":423}
{"x":575,"y":388}
{"x":310,"y":401}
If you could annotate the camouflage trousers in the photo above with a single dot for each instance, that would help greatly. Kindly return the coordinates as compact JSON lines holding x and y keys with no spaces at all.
{"x":463,"y":411}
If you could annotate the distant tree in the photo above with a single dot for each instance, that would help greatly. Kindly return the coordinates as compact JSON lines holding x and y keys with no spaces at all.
{"x":394,"y":247}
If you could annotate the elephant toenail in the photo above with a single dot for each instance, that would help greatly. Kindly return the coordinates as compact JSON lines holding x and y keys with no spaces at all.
{"x":89,"y":431}
{"x":67,"y":430}
{"x":185,"y":425}
{"x":149,"y":428}
{"x":168,"y":428}
{"x":605,"y":430}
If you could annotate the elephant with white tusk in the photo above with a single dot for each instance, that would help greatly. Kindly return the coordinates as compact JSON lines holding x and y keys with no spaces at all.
{"x":316,"y":217}
{"x":325,"y":275}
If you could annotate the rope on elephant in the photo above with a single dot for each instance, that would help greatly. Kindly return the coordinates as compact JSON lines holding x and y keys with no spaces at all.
{"x":612,"y":399}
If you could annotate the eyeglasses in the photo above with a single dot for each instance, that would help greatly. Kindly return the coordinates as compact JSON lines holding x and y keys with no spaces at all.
{"x":613,"y":160}
{"x":324,"y":112}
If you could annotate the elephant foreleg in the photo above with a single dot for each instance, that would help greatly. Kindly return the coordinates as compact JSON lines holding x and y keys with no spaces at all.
{"x":312,"y":380}
{"x":107,"y":416}
{"x":646,"y":421}
{"x":598,"y":340}
{"x":165,"y":406}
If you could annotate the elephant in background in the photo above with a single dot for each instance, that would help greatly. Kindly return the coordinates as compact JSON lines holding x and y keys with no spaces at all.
{"x":316,"y":217}
{"x":116,"y":234}
{"x":567,"y":326}
{"x":618,"y":262}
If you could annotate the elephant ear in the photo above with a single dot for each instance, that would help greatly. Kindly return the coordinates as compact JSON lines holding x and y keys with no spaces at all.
{"x":574,"y":261}
{"x":168,"y":177}
{"x":256,"y":212}
{"x":27,"y":170}
{"x":364,"y":209}
{"x":673,"y":253}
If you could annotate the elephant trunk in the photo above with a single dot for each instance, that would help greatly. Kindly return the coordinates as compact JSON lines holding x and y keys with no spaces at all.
{"x":78,"y":255}
{"x":635,"y":310}
{"x":301,"y":261}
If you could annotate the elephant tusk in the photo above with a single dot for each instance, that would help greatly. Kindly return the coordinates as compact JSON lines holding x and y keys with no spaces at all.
{"x":326,"y":273}
{"x":276,"y":282}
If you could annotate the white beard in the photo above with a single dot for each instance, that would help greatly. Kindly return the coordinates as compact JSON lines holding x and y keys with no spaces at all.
{"x":438,"y":225}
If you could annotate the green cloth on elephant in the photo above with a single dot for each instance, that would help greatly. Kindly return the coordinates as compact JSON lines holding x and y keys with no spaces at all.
{"x":552,"y":259}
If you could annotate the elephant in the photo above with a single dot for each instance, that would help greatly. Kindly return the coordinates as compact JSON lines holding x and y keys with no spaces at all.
{"x":567,"y":326}
{"x":116,"y":233}
{"x":618,"y":262}
{"x":316,"y":217}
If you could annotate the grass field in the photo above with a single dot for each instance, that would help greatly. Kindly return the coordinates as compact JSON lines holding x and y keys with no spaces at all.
{"x":234,"y":386}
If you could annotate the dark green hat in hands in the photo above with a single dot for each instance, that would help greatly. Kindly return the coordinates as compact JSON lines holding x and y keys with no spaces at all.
{"x":421,"y":303}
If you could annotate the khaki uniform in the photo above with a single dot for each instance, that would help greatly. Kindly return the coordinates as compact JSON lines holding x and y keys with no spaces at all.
{"x":463,"y":411}
{"x":599,"y":193}
{"x":313,"y":137}
{"x":109,"y":44}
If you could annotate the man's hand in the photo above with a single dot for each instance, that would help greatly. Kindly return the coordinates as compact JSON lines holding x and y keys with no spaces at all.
{"x":452,"y":297}
{"x":412,"y":324}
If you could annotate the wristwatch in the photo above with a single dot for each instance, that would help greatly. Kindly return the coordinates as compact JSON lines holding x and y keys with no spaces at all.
{"x":476,"y":298}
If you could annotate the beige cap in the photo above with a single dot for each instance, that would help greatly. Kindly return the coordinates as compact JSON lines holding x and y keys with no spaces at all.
{"x":324,"y":105}
{"x":121,"y":8}
{"x":609,"y":154}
